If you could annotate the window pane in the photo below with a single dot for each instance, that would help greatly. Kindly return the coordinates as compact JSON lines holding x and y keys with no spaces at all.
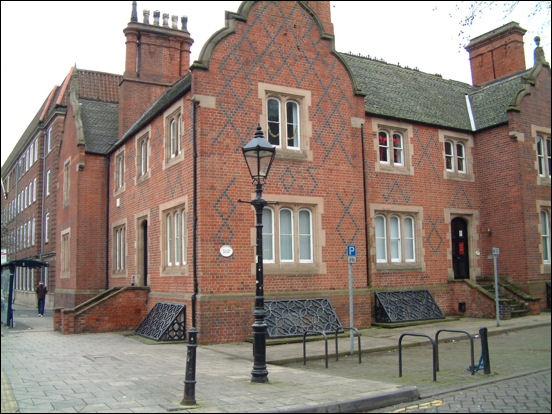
{"x":305,"y":237}
{"x":461,"y":158}
{"x":286,"y":236}
{"x":173,"y":138}
{"x":449,"y":156}
{"x":183,"y":236}
{"x":273,"y":121}
{"x":177,"y":238}
{"x":169,"y":240}
{"x":383,"y":146}
{"x":395,"y":239}
{"x":268,"y":236}
{"x":178,"y":134}
{"x":548,"y":149}
{"x":540,"y":155}
{"x":545,"y":232}
{"x":409,"y":247}
{"x":381,"y":248}
{"x":397,"y":149}
{"x":292,"y":114}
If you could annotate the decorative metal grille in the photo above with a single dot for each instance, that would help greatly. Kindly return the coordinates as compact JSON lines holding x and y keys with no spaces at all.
{"x":165,"y":322}
{"x":293,"y":317}
{"x":410,"y":305}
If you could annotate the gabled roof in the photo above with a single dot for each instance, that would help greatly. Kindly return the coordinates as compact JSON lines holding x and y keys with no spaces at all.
{"x":98,"y":100}
{"x":402,"y":93}
{"x":100,"y":121}
{"x":393,"y":91}
{"x":490,"y":103}
{"x":175,"y":91}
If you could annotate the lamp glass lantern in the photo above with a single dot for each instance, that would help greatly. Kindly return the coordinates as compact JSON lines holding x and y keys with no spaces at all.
{"x":259,"y":154}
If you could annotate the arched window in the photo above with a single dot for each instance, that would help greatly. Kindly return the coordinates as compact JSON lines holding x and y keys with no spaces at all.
{"x":383,"y":146}
{"x":273,"y":107}
{"x":409,"y":240}
{"x":395,"y":236}
{"x":397,"y":149}
{"x":545,"y":234}
{"x":292,"y":121}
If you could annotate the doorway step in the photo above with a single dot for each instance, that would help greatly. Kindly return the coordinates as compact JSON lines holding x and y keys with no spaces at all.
{"x":513,"y":301}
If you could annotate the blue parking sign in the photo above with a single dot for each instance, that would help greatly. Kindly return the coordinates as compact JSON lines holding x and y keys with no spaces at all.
{"x":351,"y":250}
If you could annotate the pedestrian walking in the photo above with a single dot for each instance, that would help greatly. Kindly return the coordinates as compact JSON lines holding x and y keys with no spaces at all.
{"x":41,"y":291}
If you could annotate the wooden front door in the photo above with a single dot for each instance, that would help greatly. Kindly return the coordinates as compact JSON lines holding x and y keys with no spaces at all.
{"x":460,"y":257}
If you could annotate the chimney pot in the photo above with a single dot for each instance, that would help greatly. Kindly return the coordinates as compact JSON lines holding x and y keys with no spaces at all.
{"x":146,"y":16}
{"x":156,"y":14}
{"x":174,"y":22}
{"x":165,"y":19}
{"x":184,"y":20}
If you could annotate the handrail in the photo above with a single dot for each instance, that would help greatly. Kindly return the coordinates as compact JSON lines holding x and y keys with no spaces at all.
{"x":459,"y":331}
{"x":434,"y":352}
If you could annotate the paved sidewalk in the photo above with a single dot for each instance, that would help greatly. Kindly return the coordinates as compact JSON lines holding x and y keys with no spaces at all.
{"x":114,"y":372}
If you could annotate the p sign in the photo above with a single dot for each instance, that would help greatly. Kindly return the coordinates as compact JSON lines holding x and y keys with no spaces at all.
{"x":351,"y":253}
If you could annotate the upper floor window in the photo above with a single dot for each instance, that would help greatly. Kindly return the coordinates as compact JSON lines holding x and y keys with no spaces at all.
{"x":391,"y":148}
{"x":66,"y":181}
{"x":120,"y":171}
{"x":46,"y":228}
{"x":49,"y":140}
{"x":173,"y":137}
{"x":47,"y":183}
{"x":283,"y":123}
{"x":543,"y":156}
{"x":455,"y":157}
{"x":143,"y":156}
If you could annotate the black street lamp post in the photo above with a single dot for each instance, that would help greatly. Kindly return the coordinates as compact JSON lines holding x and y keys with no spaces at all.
{"x":259,"y":154}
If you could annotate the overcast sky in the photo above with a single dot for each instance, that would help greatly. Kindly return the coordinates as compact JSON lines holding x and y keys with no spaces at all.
{"x":41,"y":41}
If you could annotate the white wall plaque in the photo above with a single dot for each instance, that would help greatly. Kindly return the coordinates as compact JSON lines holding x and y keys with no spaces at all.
{"x":226,"y":251}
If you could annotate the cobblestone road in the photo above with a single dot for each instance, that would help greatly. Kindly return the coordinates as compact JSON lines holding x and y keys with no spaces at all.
{"x":526,"y":394}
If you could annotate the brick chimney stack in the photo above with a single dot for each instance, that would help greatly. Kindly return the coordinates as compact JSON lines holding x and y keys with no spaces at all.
{"x":497,"y":54}
{"x":157,"y":55}
{"x":323,"y":12}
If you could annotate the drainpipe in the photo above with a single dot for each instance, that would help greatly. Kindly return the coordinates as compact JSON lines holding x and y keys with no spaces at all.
{"x":107,"y":225}
{"x":365,"y":206}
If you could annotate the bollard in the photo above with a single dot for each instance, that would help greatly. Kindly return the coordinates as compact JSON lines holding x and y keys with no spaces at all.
{"x":485,"y":351}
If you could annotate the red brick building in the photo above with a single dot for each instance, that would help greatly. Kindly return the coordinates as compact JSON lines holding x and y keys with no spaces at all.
{"x":423,"y":175}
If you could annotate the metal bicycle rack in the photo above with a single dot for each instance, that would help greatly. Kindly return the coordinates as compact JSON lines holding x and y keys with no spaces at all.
{"x":434,"y":352}
{"x":472,"y":367}
{"x":337,"y":330}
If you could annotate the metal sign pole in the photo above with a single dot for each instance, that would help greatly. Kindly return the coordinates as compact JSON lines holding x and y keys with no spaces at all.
{"x":351,"y":258}
{"x":496,"y":252}
{"x":351,"y":318}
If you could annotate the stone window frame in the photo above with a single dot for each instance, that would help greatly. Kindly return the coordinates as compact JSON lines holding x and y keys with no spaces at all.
{"x":406,"y":131}
{"x":65,"y":253}
{"x":119,"y":251}
{"x":544,"y":205}
{"x":143,"y":136}
{"x":173,"y":113}
{"x":401,"y":211}
{"x":467,"y":142}
{"x":545,"y":133}
{"x":318,"y":236}
{"x":179,"y":204}
{"x":119,"y":182}
{"x":284,"y":94}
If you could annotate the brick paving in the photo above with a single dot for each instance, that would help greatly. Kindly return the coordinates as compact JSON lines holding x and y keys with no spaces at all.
{"x":115,"y":372}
